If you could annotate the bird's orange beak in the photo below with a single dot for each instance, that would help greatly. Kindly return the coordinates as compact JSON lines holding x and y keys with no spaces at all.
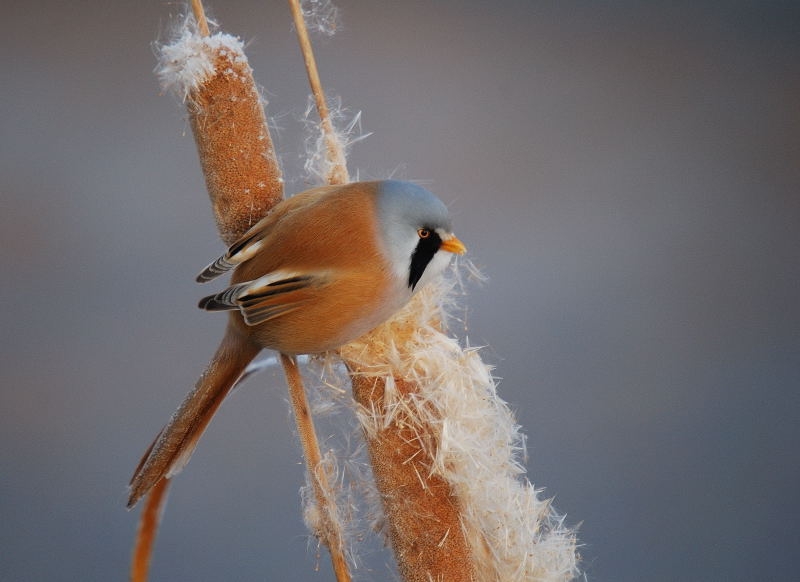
{"x":453,"y":245}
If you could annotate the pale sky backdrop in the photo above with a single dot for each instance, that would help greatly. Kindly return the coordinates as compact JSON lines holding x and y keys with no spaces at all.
{"x":626,"y":173}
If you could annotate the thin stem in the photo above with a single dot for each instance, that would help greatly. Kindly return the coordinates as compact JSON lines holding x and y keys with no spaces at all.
{"x":200,"y":16}
{"x":329,"y":529}
{"x":148,"y":528}
{"x":335,"y":154}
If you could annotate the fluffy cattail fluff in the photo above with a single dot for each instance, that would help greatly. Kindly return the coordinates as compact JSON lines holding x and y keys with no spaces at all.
{"x":325,"y":154}
{"x":212,"y":75}
{"x":321,"y":16}
{"x":437,"y":401}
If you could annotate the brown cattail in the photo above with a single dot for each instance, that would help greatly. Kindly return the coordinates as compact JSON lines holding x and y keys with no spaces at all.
{"x":212,"y":74}
{"x":445,"y":453}
{"x":421,"y":510}
{"x":455,"y":508}
{"x":422,"y":514}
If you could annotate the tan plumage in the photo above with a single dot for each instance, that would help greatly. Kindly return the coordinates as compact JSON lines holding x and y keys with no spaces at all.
{"x":320,"y":270}
{"x":337,"y":291}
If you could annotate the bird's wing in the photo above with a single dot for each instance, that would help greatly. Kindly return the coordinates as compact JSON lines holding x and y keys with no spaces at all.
{"x":267,"y":297}
{"x":257,"y":237}
{"x":243,"y":249}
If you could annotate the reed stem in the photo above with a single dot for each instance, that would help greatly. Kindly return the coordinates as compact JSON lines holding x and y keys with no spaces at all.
{"x":334,"y":151}
{"x":147,"y":531}
{"x":328,"y":530}
{"x":200,"y":16}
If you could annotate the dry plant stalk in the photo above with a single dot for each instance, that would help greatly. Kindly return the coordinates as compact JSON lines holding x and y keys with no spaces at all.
{"x":146,"y":534}
{"x":334,"y":151}
{"x":244,"y":181}
{"x":443,"y":446}
{"x":212,"y":75}
{"x":421,"y":510}
{"x":328,"y":529}
{"x":431,"y":412}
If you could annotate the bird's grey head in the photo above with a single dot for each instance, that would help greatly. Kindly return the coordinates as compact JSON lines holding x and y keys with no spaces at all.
{"x":414,"y":223}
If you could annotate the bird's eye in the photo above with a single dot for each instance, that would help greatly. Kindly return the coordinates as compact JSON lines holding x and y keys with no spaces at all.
{"x":424,"y":233}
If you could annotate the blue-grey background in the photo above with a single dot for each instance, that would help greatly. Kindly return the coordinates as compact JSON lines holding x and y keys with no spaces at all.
{"x":626,"y":173}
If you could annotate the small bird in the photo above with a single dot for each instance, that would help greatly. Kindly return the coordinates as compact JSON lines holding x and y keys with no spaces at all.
{"x":320,"y":270}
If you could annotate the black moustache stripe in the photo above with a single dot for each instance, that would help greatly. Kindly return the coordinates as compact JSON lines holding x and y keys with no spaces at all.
{"x":422,"y":255}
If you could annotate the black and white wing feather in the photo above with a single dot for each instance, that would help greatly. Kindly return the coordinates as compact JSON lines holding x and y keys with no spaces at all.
{"x":242,"y":250}
{"x":265,"y":298}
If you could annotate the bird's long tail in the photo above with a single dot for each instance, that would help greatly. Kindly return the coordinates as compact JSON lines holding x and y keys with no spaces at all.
{"x":174,"y":445}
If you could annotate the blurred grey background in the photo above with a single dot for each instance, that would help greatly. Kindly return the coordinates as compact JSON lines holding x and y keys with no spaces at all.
{"x":626,"y":173}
